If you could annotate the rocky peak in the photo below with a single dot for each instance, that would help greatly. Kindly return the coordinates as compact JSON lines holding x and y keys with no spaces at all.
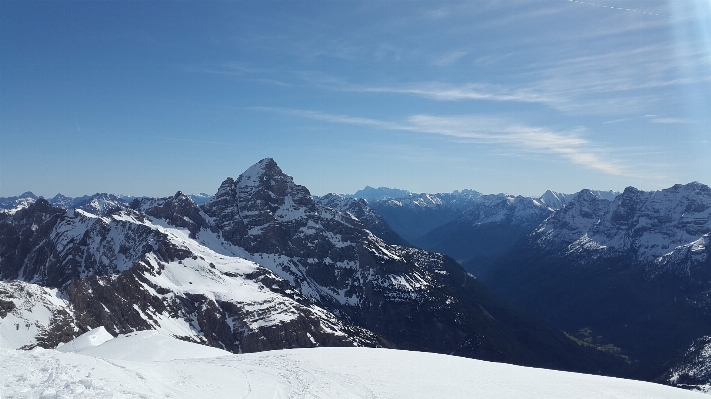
{"x":179,"y":210}
{"x":28,"y":194}
{"x":554,"y":199}
{"x":97,"y":204}
{"x":587,"y":204}
{"x":226,"y":188}
{"x":686,"y":206}
{"x":627,"y":204}
{"x":61,"y":200}
{"x":34,"y":215}
{"x":13,"y":204}
{"x":265,"y":189}
{"x":182,"y":200}
{"x":265,"y":176}
{"x":666,"y":230}
{"x":573,"y":221}
{"x":261,"y":195}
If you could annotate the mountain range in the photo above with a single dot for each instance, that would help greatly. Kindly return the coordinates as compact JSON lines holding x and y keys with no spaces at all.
{"x":626,"y":272}
{"x":260,"y":265}
{"x":596,"y":281}
{"x":631,"y":274}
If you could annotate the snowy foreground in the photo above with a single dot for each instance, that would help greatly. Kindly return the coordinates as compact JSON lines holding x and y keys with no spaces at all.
{"x":149,"y":365}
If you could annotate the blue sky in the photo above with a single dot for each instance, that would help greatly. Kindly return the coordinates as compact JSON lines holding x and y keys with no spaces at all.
{"x":147,"y":98}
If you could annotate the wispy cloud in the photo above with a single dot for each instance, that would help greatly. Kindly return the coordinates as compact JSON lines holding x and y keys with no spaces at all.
{"x":491,"y":59}
{"x":469,"y":91}
{"x":613,"y":82}
{"x":317,"y":115}
{"x":570,"y":146}
{"x":525,"y":11}
{"x":609,"y":83}
{"x":617,"y":121}
{"x":239,"y":70}
{"x":437,"y":90}
{"x":671,"y":120}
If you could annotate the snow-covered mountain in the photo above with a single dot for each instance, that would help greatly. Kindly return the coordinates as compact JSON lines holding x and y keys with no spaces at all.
{"x":147,"y":364}
{"x":666,"y":229}
{"x":199,"y":198}
{"x":634,"y":270}
{"x":412,"y":298}
{"x":261,"y":265}
{"x":13,"y":204}
{"x":471,"y":227}
{"x":65,"y":271}
{"x":99,"y":203}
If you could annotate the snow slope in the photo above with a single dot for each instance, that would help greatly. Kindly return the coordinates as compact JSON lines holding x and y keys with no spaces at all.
{"x":130,"y":367}
{"x":86,"y":341}
{"x":27,"y":313}
{"x":141,"y":345}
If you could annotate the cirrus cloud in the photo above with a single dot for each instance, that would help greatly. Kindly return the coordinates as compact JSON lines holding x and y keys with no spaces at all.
{"x":570,"y":145}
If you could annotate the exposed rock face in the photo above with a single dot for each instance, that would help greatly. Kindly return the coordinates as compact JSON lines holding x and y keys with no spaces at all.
{"x":693,"y":369}
{"x":32,"y":315}
{"x":179,"y":211}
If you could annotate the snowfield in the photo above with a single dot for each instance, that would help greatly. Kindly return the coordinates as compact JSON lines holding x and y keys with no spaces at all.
{"x":147,"y":364}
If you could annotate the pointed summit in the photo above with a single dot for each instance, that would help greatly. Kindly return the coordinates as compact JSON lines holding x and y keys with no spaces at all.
{"x":261,"y":168}
{"x":266,"y":175}
{"x":553,"y":199}
{"x":586,"y":195}
{"x":261,"y":195}
{"x":28,"y":194}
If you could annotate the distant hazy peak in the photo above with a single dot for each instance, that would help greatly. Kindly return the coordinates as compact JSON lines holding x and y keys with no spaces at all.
{"x":28,"y":194}
{"x":379,"y":193}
